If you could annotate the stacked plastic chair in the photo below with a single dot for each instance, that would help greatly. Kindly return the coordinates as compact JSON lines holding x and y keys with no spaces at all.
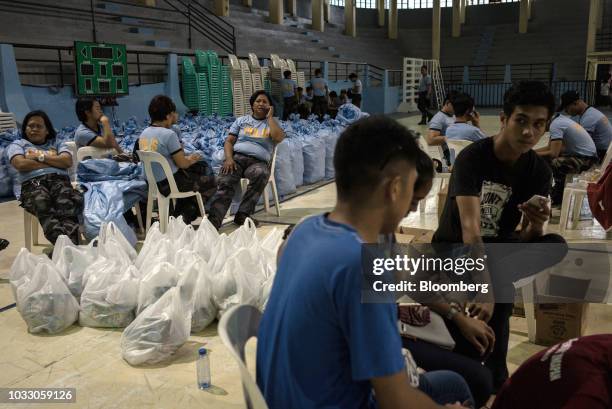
{"x":235,"y":72}
{"x":195,"y":88}
{"x":226,"y":94}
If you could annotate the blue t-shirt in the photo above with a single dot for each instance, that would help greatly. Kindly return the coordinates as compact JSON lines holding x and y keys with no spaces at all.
{"x":441,"y":121}
{"x":288,"y":87}
{"x":464,"y":132}
{"x":163,"y":141}
{"x":576,"y":139}
{"x":50,"y":148}
{"x":253,"y":137}
{"x":597,"y":125}
{"x":84,"y":135}
{"x":318,"y":85}
{"x":318,"y":344}
{"x":424,"y":83}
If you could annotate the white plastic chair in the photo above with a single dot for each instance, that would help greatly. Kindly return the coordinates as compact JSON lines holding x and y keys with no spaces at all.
{"x":573,"y":196}
{"x":163,"y":202}
{"x":30,"y":228}
{"x":244,"y":183}
{"x":457,"y":145}
{"x":73,"y":150}
{"x":239,"y":324}
{"x":98,"y":153}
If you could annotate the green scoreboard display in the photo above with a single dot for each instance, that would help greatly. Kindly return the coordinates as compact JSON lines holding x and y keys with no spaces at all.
{"x":101,"y":69}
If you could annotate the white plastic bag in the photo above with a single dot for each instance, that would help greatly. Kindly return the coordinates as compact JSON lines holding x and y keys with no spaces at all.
{"x":111,"y":241}
{"x":150,"y":245}
{"x":206,"y":239}
{"x":155,"y":283}
{"x":43,"y":299}
{"x":204,"y":309}
{"x":176,"y":226}
{"x":109,"y":295}
{"x":22,"y":268}
{"x":245,"y":235}
{"x":158,"y":332}
{"x":220,"y":253}
{"x":72,"y":261}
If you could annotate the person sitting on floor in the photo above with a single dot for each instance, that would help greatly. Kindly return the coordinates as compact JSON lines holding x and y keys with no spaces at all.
{"x":95,"y":128}
{"x":463,"y":105}
{"x":570,"y":150}
{"x":190,"y":172}
{"x":248,"y":152}
{"x":491,"y":187}
{"x":46,"y":191}
{"x":356,"y":344}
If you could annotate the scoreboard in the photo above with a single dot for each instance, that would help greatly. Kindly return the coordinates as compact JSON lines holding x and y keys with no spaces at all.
{"x":101,"y":69}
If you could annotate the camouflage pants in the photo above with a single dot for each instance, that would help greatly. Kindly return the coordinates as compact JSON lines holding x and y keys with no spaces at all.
{"x":55,"y":203}
{"x":195,"y":178}
{"x":563,"y":166}
{"x":256,"y":171}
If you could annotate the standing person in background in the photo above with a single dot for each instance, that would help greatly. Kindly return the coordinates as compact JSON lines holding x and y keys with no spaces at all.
{"x":248,"y":151}
{"x":288,"y":89}
{"x":355,"y":93}
{"x":95,"y":128}
{"x":425,"y":91}
{"x":591,"y":119}
{"x":190,"y":174}
{"x":320,"y":94}
{"x":46,"y":192}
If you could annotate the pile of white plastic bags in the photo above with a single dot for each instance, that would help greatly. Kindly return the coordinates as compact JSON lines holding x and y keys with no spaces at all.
{"x":178,"y":284}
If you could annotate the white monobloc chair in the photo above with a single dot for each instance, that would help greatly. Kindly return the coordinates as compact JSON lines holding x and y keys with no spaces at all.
{"x":244,"y":183}
{"x":239,"y":324}
{"x":163,"y":202}
{"x":99,"y":153}
{"x":573,"y":196}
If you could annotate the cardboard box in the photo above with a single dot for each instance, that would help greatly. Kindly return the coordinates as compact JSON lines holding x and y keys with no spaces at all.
{"x":418,"y":235}
{"x":558,"y":320}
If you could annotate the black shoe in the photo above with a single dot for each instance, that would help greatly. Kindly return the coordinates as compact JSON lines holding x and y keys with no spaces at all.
{"x":239,"y":219}
{"x":3,"y":244}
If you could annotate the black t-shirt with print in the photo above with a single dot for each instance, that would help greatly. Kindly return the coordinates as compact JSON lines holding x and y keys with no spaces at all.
{"x":501,"y":188}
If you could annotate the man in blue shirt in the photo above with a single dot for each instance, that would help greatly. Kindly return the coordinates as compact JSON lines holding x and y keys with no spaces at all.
{"x":570,"y":150}
{"x":320,"y":94}
{"x":465,"y":113}
{"x":95,"y":128}
{"x":425,"y":91}
{"x":318,"y":345}
{"x":591,"y":119}
{"x":288,"y":89}
{"x":248,"y":151}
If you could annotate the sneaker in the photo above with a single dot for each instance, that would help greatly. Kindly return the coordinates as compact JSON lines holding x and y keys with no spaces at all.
{"x":240,"y":218}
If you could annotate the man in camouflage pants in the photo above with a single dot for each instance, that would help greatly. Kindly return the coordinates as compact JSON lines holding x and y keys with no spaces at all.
{"x":55,"y":203}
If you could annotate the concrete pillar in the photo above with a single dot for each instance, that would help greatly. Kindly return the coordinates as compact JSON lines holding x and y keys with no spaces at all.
{"x":276,"y":11}
{"x":457,"y":18}
{"x":435,"y":30}
{"x":529,"y":4}
{"x":392,"y":19}
{"x":380,"y":6}
{"x":172,"y":87}
{"x":222,"y":8}
{"x":318,"y":21}
{"x":12,"y":97}
{"x":292,"y":7}
{"x":463,"y":7}
{"x":248,"y":3}
{"x":326,"y":11}
{"x":523,"y":16}
{"x":592,"y":27}
{"x":600,"y":15}
{"x":350,"y":18}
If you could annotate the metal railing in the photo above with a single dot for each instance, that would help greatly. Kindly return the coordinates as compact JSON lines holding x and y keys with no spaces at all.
{"x":496,"y":73}
{"x":193,"y":15}
{"x":492,"y":94}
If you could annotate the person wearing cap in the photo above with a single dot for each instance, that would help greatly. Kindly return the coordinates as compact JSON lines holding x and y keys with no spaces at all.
{"x":571,"y":150}
{"x":591,"y":119}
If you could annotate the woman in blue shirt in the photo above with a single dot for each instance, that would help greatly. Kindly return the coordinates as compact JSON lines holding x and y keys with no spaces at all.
{"x":46,"y":192}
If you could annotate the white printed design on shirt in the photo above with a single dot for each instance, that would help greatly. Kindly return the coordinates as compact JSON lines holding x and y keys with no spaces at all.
{"x":412,"y":370}
{"x":493,"y":198}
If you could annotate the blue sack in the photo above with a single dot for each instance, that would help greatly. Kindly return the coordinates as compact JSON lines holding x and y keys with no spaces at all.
{"x":313,"y":149}
{"x":331,"y":138}
{"x":297,"y":160}
{"x":283,"y":172}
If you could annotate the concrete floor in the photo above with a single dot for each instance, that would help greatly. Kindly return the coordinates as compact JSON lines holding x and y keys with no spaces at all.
{"x":90,"y":359}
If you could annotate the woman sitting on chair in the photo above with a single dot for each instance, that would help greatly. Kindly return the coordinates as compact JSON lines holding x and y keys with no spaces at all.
{"x":190,"y":173}
{"x":248,"y":150}
{"x":46,"y":192}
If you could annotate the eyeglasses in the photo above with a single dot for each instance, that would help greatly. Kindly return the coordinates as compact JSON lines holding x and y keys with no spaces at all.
{"x":34,"y":127}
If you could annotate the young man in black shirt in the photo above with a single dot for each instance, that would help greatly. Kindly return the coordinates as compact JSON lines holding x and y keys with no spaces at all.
{"x":491,"y":183}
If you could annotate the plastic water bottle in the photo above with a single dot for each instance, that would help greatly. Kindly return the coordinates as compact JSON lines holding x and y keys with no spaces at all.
{"x":203,"y":369}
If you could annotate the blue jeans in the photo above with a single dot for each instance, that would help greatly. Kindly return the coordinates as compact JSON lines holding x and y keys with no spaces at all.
{"x":445,"y":387}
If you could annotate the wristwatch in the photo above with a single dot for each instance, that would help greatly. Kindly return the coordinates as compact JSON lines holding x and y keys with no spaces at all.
{"x":454,"y":310}
{"x":41,"y":157}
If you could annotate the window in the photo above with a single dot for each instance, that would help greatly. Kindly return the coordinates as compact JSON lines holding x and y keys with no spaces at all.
{"x":417,"y":4}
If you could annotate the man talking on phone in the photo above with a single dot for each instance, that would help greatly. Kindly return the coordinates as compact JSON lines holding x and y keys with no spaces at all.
{"x":496,"y":184}
{"x":248,"y":151}
{"x":467,"y":120}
